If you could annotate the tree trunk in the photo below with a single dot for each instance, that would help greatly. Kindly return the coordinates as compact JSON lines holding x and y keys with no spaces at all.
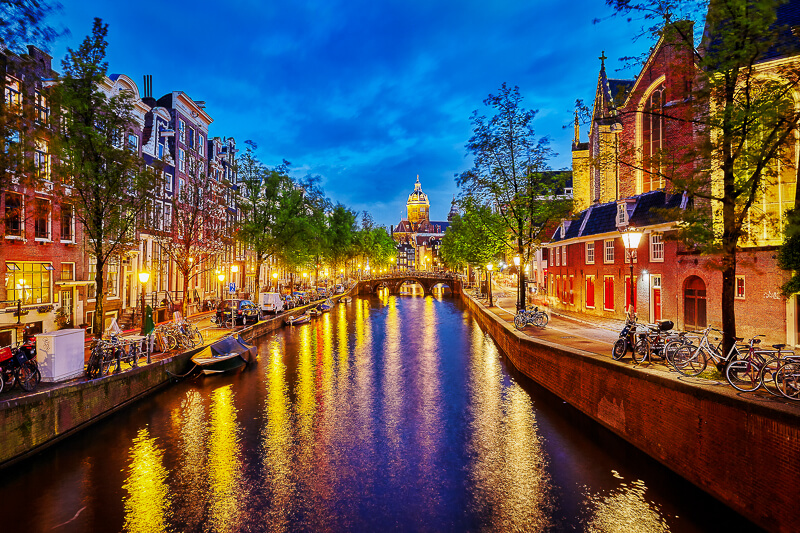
{"x":97,"y":322}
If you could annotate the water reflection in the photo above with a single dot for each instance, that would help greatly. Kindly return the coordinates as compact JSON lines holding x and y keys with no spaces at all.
{"x":227,"y":494}
{"x":147,"y":505}
{"x":512,"y":489}
{"x":625,"y":509}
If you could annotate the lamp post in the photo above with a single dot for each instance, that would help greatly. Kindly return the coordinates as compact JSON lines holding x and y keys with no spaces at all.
{"x":221,"y":278}
{"x":275,"y":280}
{"x":392,"y":267}
{"x":144,"y":276}
{"x":234,"y":270}
{"x":630,"y":238}
{"x":489,"y":268}
{"x":520,"y":284}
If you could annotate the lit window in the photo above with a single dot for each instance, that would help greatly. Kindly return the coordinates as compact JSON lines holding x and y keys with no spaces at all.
{"x":30,"y":282}
{"x":652,"y":137}
{"x":112,"y":280}
{"x":564,"y":255}
{"x":590,"y":253}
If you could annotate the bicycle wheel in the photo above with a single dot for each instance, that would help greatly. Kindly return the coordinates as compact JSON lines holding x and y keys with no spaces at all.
{"x":93,"y":365}
{"x":689,"y":360}
{"x":2,"y":382}
{"x":766,"y":377}
{"x":787,"y":380}
{"x":641,"y":350}
{"x":519,"y":322}
{"x":26,"y":376}
{"x":172,"y":341}
{"x":196,"y":336}
{"x":670,"y":348}
{"x":108,"y":360}
{"x":620,"y":347}
{"x":743,"y":375}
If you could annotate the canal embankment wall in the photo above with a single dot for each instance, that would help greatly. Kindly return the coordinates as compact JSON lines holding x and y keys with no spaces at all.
{"x":743,"y":451}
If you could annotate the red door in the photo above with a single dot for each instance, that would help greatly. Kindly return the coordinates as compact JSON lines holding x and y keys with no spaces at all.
{"x":656,"y":304}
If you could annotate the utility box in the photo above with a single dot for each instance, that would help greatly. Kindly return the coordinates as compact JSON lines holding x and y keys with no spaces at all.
{"x":60,"y":354}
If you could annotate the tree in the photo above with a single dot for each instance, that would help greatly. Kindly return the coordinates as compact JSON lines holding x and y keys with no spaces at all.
{"x":511,"y":174}
{"x":108,"y":183}
{"x":277,"y":211}
{"x":475,"y":237}
{"x":22,"y":22}
{"x":340,"y":236}
{"x":193,"y":236}
{"x":745,"y":122}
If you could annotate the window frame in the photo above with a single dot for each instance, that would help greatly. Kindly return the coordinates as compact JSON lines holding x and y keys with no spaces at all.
{"x":657,"y":247}
{"x":19,"y":233}
{"x":736,"y":294}
{"x":608,"y":246}
{"x":590,"y":252}
{"x":587,"y":281}
{"x":606,"y":279}
{"x":45,"y":218}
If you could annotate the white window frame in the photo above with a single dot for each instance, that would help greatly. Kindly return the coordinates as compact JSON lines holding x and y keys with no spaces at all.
{"x":200,"y":142}
{"x":608,"y":251}
{"x":182,"y":131}
{"x":181,"y":159}
{"x":558,"y":256}
{"x":736,"y":289}
{"x":586,"y":291}
{"x":656,"y":248}
{"x":167,"y":216}
{"x":564,"y":255}
{"x":590,"y":253}
{"x":167,"y":181}
{"x":612,"y":293}
{"x":62,"y":207}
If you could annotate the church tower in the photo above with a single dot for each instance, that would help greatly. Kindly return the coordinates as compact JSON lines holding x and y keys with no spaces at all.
{"x":418,"y":205}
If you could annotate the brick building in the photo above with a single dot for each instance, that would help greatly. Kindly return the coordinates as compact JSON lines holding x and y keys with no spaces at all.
{"x":618,"y":186}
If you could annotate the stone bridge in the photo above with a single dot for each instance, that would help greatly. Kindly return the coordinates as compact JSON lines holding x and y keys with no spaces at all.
{"x":428,"y":280}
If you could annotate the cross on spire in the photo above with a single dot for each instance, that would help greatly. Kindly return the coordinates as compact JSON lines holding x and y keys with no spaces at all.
{"x":602,"y":59}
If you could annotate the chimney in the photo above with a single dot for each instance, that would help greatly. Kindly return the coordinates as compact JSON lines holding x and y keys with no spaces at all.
{"x":148,"y":91}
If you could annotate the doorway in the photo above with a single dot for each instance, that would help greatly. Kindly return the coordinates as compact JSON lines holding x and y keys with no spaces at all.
{"x":694,"y":303}
{"x":655,"y":297}
{"x":66,"y":304}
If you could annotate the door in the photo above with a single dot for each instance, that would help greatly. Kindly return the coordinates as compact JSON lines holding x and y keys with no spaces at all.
{"x":655,"y":297}
{"x":694,"y":303}
{"x":66,"y":303}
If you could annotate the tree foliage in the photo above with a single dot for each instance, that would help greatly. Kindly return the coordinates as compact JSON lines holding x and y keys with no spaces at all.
{"x":745,"y":122}
{"x":105,"y":182}
{"x":22,"y":23}
{"x":475,"y":237}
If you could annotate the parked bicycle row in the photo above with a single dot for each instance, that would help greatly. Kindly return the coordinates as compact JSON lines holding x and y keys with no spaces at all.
{"x":748,"y":366}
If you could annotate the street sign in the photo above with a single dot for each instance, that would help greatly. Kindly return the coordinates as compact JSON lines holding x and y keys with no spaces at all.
{"x":232,"y":287}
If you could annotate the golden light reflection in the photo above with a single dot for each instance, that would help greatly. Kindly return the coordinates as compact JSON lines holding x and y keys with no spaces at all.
{"x":227,"y":493}
{"x":147,"y":505}
{"x":512,"y":486}
{"x":624,"y":510}
{"x":392,"y":379}
{"x":192,"y":472}
{"x":279,"y":481}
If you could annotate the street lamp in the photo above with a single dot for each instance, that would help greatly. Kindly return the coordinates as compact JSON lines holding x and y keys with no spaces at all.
{"x":520,"y":283}
{"x":221,"y":278}
{"x":275,"y":279}
{"x":305,"y":275}
{"x":630,"y":238}
{"x":144,"y":276}
{"x":489,"y":268}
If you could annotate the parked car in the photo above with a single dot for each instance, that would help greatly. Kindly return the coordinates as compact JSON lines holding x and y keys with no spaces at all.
{"x":270,"y":302}
{"x":339,"y":289}
{"x":244,"y":311}
{"x":301,"y":297}
{"x":288,"y":301}
{"x":321,"y":292}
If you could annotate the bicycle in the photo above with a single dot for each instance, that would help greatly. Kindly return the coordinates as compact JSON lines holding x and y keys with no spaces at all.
{"x":654,"y":342}
{"x":530,"y":316}
{"x":691,"y":360}
{"x":787,"y":378}
{"x":757,"y":368}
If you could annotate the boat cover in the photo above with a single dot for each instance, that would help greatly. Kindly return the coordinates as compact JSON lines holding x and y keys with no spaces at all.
{"x":228,"y":345}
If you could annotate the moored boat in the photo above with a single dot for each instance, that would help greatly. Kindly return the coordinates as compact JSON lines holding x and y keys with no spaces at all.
{"x":299,"y":319}
{"x":225,"y":355}
{"x":325,"y":306}
{"x":345,"y":299}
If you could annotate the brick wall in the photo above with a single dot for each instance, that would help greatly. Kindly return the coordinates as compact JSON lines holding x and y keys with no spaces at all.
{"x":743,"y":452}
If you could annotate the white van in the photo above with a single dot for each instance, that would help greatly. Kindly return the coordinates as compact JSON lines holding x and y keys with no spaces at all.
{"x":270,"y":302}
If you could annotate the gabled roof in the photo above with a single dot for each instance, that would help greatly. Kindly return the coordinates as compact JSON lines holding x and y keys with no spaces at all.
{"x":601,"y":219}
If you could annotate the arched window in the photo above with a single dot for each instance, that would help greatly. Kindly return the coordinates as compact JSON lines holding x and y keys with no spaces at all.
{"x":652,"y":140}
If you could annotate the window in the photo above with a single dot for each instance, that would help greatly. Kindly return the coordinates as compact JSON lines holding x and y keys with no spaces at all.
{"x":13,"y":97}
{"x":191,"y":137}
{"x":67,"y":223}
{"x":90,"y":322}
{"x":40,"y":108}
{"x":181,"y":187}
{"x":112,"y":280}
{"x":30,"y":282}
{"x":608,"y":247}
{"x":590,"y":253}
{"x":572,"y":290}
{"x":41,"y":219}
{"x":167,"y":182}
{"x":182,"y":131}
{"x":133,"y":142}
{"x":167,"y":216}
{"x":15,"y":226}
{"x":91,"y":288}
{"x":160,"y":148}
{"x":608,"y":293}
{"x":67,"y":272}
{"x":181,"y":160}
{"x":652,"y":137}
{"x":656,"y":247}
{"x":558,"y":256}
{"x":590,"y":292}
{"x":739,"y":294}
{"x":158,"y":217}
{"x":41,"y":160}
{"x":200,"y":144}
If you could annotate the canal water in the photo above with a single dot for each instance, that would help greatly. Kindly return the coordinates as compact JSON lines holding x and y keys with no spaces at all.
{"x":387,"y":413}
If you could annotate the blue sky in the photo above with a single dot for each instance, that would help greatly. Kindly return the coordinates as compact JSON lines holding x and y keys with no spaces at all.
{"x":365,"y":94}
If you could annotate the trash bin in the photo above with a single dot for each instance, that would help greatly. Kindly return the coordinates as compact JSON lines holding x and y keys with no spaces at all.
{"x":60,"y":354}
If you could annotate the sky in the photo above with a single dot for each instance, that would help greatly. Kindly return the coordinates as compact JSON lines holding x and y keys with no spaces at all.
{"x":365,"y":94}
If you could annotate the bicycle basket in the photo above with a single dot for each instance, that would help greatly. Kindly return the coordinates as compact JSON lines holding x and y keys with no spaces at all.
{"x":666,"y":325}
{"x":5,"y":353}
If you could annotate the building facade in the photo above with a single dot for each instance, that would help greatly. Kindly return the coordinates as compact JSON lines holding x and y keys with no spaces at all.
{"x":417,"y":236}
